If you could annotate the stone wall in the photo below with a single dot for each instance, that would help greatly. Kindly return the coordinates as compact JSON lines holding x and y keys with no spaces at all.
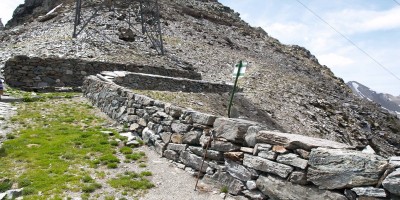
{"x":139,"y":81}
{"x":248,"y":158}
{"x":34,"y":72}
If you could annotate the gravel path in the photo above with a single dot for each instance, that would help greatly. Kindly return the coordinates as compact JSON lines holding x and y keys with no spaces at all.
{"x":6,"y":111}
{"x":173,"y":183}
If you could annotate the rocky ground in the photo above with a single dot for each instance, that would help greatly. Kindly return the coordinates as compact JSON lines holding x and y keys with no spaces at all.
{"x":284,"y":82}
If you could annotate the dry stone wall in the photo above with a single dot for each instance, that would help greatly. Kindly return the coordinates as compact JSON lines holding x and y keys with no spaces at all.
{"x":140,"y":81}
{"x":248,"y":158}
{"x":34,"y":72}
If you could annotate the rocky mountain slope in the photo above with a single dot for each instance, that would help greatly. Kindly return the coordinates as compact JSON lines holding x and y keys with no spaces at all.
{"x":387,"y":101}
{"x":284,"y":81}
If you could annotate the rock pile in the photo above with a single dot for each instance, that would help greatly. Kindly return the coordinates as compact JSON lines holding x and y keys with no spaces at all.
{"x":245,"y":156}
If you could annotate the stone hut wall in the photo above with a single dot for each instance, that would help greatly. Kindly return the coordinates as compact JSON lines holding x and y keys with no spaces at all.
{"x":245,"y":156}
{"x":33,"y":72}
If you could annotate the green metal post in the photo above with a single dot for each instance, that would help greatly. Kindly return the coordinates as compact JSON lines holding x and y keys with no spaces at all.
{"x":234,"y":89}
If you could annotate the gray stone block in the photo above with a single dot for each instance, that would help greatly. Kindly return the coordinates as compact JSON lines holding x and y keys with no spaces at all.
{"x":177,"y":147}
{"x":202,"y":118}
{"x":172,"y":155}
{"x":276,"y":188}
{"x":392,"y":182}
{"x":267,"y":165}
{"x":237,"y":170}
{"x":233,"y":130}
{"x":341,"y":168}
{"x":193,"y":161}
{"x":293,"y":160}
{"x":369,"y":191}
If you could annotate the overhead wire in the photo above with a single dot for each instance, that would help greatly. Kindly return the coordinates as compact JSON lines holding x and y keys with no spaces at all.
{"x":396,"y":2}
{"x":349,"y":40}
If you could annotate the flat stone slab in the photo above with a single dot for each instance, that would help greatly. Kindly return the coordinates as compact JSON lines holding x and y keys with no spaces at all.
{"x":369,"y":191}
{"x":295,"y":141}
{"x":234,"y":130}
{"x":276,"y":188}
{"x":395,"y":161}
{"x":267,"y":165}
{"x":293,"y":160}
{"x":343,"y":168}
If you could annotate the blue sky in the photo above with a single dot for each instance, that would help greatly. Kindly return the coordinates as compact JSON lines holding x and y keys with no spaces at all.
{"x":373,"y":25}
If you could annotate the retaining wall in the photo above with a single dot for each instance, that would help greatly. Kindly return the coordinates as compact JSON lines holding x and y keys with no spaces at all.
{"x":141,"y":81}
{"x":33,"y":72}
{"x":246,"y":157}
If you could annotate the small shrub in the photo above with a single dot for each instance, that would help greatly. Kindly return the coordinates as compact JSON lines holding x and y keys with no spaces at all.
{"x":28,"y":191}
{"x":224,"y":189}
{"x":135,"y":156}
{"x":5,"y":185}
{"x":112,"y":165}
{"x":146,"y":173}
{"x":114,"y":143}
{"x":3,"y":152}
{"x":126,"y":150}
{"x":10,"y":136}
{"x":24,"y":183}
{"x":87,"y":179}
{"x":109,"y":158}
{"x":89,"y":188}
{"x":142,"y":165}
{"x":109,"y":198}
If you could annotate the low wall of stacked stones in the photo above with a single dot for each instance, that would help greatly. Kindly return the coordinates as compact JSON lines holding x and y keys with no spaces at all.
{"x":140,"y":81}
{"x":33,"y":72}
{"x":246,"y":157}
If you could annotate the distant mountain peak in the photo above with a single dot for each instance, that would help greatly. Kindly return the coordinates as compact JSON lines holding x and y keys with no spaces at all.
{"x":386,"y":101}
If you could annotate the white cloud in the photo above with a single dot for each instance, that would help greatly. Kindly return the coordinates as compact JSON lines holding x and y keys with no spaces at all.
{"x":352,"y":21}
{"x":335,"y":60}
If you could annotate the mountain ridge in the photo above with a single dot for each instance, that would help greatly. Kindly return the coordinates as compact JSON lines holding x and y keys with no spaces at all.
{"x":387,"y":101}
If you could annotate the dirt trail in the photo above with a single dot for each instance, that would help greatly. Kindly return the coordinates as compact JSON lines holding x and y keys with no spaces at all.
{"x":173,"y":183}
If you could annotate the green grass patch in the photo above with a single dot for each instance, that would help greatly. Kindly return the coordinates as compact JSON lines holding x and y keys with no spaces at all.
{"x":47,"y":153}
{"x":5,"y":185}
{"x":135,"y":155}
{"x":89,"y":188}
{"x":224,"y":189}
{"x":131,"y":181}
{"x":126,"y":150}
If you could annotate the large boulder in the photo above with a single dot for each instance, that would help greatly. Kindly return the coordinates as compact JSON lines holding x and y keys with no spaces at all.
{"x":392,"y":182}
{"x":295,"y":141}
{"x":341,"y":168}
{"x":277,"y":188}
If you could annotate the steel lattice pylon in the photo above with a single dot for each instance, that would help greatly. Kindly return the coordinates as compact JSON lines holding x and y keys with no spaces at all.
{"x":149,"y":18}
